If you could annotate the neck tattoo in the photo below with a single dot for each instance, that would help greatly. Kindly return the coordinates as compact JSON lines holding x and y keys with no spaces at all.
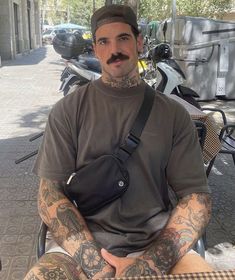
{"x":125,"y":82}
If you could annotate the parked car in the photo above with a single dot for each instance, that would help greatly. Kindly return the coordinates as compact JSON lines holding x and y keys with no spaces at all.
{"x":48,"y":35}
{"x":45,"y":27}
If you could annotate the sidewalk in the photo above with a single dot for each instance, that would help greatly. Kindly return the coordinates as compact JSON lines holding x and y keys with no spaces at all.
{"x":28,"y":90}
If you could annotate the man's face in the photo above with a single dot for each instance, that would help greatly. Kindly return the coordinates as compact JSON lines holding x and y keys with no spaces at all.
{"x":117,"y":50}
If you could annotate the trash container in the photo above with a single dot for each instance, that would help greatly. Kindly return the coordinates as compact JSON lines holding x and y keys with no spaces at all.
{"x":205,"y":50}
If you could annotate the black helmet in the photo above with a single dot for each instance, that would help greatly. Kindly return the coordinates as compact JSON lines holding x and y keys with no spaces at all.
{"x":161,"y":51}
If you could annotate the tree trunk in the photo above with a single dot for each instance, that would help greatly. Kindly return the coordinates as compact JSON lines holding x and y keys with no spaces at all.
{"x":133,"y":4}
{"x":108,"y":2}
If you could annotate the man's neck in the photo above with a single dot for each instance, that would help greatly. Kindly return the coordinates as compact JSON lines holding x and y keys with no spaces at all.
{"x":125,"y":82}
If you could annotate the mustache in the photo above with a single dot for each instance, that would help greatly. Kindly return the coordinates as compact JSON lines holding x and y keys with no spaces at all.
{"x":119,"y":56}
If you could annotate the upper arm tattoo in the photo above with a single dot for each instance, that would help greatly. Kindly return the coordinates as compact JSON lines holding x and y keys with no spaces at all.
{"x":51,"y":192}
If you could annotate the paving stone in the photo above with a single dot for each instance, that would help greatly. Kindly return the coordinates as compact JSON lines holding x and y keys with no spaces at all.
{"x":4,"y":274}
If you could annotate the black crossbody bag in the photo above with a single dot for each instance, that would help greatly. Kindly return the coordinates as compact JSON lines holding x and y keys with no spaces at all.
{"x":106,"y":178}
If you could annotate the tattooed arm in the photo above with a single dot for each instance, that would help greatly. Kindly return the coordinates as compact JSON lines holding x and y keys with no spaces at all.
{"x":70,"y":231}
{"x":185,"y":226}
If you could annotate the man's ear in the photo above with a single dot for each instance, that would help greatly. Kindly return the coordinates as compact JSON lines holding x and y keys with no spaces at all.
{"x":140,"y":43}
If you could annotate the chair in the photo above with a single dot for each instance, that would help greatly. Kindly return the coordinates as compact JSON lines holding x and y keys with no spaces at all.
{"x":201,"y":131}
{"x":226,"y":138}
{"x":199,"y":246}
{"x":41,"y":244}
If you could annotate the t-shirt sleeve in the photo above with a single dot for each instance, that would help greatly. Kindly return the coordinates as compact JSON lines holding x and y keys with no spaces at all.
{"x":185,"y":169}
{"x":57,"y":152}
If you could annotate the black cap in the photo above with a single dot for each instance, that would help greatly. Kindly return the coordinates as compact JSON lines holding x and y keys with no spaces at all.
{"x":113,"y":13}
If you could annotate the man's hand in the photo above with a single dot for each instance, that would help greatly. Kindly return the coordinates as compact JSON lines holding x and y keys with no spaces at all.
{"x":130,"y":266}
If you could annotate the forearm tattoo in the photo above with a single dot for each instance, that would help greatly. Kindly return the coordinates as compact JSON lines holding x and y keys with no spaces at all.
{"x":139,"y":268}
{"x":165,"y":251}
{"x":90,"y":258}
{"x":185,"y":226}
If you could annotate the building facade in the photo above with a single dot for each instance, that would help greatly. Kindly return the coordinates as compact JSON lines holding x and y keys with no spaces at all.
{"x":20,"y":29}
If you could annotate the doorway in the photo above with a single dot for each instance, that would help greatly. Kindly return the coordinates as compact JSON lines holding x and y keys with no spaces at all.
{"x":16,"y":25}
{"x":29,"y":23}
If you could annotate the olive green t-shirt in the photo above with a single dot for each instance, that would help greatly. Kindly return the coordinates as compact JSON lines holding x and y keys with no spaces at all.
{"x":93,"y":121}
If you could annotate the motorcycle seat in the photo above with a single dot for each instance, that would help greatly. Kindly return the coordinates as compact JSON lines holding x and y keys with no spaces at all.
{"x":90,"y":62}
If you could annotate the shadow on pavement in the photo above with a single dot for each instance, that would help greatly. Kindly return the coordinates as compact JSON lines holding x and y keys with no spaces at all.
{"x":35,"y":57}
{"x":19,"y":220}
{"x":226,"y":106}
{"x":222,"y":184}
{"x":34,"y":119}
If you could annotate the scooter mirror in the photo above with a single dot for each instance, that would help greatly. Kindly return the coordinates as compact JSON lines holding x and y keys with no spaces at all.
{"x":161,"y":52}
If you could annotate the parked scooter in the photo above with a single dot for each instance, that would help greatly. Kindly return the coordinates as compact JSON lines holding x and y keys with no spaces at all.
{"x":79,"y":71}
{"x":165,"y":75}
{"x":86,"y":67}
{"x":162,"y":73}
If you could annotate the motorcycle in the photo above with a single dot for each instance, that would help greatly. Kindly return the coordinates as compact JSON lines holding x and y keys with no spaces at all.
{"x":86,"y":67}
{"x":156,"y":67}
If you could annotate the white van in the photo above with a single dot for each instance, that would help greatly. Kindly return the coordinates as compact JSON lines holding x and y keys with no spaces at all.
{"x":48,"y":35}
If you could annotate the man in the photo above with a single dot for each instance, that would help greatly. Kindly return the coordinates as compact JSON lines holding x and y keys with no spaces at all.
{"x":138,"y":234}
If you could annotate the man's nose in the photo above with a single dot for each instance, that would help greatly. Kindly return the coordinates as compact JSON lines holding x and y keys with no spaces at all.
{"x":115,"y":47}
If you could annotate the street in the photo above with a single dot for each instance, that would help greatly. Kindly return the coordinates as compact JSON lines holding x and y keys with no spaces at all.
{"x":29,"y":88}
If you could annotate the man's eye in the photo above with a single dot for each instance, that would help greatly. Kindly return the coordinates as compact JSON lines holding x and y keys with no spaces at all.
{"x":124,"y":38}
{"x":102,"y":42}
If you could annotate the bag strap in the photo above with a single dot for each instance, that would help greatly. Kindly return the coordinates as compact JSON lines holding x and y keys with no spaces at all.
{"x":133,"y":139}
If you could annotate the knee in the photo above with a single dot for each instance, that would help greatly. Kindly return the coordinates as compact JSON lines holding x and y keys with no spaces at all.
{"x":191,"y":262}
{"x":54,"y":266}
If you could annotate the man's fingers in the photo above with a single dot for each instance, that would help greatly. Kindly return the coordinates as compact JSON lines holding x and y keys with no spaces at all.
{"x":119,"y":263}
{"x":111,"y":259}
